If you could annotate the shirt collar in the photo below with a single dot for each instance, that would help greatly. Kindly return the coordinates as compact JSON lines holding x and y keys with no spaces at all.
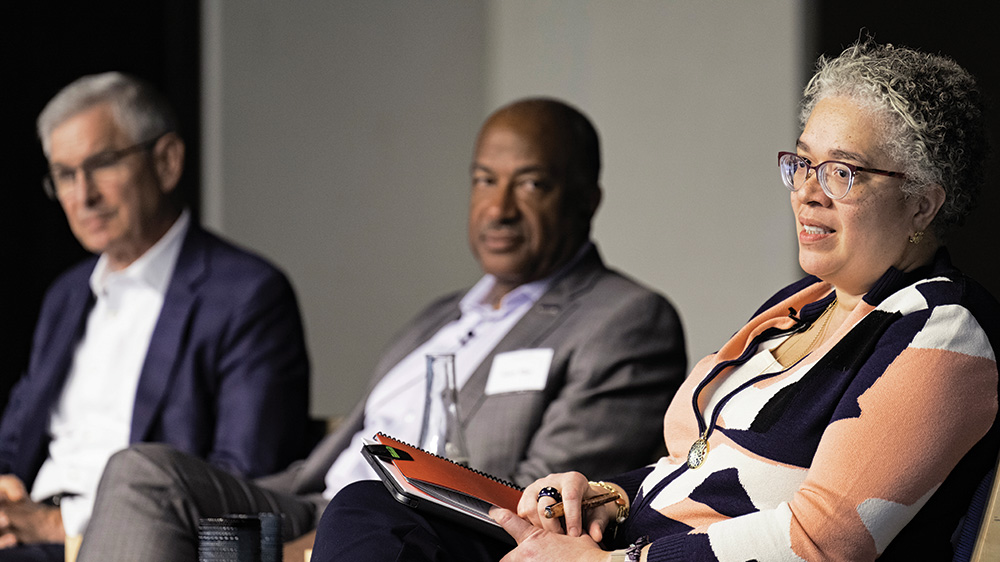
{"x":893,"y":279}
{"x":528,"y":293}
{"x":153,"y":268}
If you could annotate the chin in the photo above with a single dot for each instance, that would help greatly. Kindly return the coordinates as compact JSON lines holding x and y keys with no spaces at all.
{"x":94,"y":249}
{"x":501,"y":266}
{"x":506,"y":274}
{"x":94,"y":244}
{"x":812,"y":267}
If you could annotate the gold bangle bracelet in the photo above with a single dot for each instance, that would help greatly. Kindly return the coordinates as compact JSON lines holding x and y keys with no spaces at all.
{"x":621,"y":502}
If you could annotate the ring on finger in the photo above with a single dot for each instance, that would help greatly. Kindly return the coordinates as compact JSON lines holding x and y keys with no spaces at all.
{"x":549,"y":492}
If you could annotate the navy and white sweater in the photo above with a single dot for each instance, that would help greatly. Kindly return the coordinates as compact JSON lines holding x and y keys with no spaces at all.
{"x":870,"y":446}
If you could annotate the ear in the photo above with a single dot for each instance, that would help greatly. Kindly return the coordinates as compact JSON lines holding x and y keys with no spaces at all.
{"x":928,"y":205}
{"x":168,"y":161}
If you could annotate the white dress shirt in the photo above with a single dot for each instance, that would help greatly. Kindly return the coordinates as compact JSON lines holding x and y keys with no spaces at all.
{"x":93,"y":417}
{"x":396,"y":404}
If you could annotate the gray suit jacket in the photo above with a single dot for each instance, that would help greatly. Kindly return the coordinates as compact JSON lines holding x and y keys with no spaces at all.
{"x":619,"y":356}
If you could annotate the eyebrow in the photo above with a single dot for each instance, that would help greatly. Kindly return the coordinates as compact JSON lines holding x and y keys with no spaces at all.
{"x":90,"y":157}
{"x":533,"y":169}
{"x":838,"y":154}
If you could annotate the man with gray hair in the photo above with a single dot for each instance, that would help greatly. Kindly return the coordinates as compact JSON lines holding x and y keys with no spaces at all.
{"x":169,"y":334}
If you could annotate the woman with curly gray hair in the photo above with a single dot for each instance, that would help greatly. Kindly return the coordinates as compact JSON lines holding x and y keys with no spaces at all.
{"x":854,"y":415}
{"x":928,"y":114}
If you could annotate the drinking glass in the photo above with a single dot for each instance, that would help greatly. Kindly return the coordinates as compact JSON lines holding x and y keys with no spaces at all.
{"x":441,"y":431}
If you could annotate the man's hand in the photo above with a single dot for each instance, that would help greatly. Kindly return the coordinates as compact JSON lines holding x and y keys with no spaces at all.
{"x":11,"y":489}
{"x":539,"y":545}
{"x":23,"y":521}
{"x":295,"y":550}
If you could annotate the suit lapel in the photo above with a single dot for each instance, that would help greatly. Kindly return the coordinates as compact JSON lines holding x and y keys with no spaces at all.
{"x":312,"y":475}
{"x":65,"y":338}
{"x":537,"y":323}
{"x":160,"y":365}
{"x":540,"y":320}
{"x":54,"y":369}
{"x":424,"y":329}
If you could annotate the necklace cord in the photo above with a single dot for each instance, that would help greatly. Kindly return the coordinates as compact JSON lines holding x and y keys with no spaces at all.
{"x":706,"y":429}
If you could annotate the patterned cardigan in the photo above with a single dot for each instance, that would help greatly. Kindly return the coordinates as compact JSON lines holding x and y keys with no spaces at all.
{"x":871,"y":446}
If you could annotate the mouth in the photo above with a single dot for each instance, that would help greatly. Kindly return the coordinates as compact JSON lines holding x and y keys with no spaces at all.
{"x":95,"y":219}
{"x":815,"y":230}
{"x":501,"y":240}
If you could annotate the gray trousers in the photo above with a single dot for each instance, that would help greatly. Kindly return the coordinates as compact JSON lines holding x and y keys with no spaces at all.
{"x":151,"y":497}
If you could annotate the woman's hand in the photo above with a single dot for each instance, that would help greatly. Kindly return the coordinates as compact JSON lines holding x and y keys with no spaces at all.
{"x":574,"y":488}
{"x":535,"y":544}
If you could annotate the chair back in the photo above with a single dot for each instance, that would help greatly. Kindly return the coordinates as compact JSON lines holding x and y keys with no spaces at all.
{"x":980,"y":538}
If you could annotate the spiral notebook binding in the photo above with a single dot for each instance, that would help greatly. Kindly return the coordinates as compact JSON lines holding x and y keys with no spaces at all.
{"x":479,"y":472}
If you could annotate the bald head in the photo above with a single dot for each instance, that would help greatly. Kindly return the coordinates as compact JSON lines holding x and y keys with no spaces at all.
{"x":534,"y":190}
{"x":560,"y":129}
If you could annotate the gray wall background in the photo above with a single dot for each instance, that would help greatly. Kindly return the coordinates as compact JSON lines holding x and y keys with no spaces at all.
{"x":337,"y":139}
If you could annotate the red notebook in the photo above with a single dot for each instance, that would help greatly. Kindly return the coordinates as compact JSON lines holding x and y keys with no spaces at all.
{"x":439,"y":486}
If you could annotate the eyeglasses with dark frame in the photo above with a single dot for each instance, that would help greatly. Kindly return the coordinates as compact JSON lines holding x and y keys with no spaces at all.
{"x":61,"y":181}
{"x":836,"y":178}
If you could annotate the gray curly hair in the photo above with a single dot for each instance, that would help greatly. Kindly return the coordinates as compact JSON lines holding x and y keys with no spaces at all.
{"x":138,"y":108}
{"x":928,"y":111}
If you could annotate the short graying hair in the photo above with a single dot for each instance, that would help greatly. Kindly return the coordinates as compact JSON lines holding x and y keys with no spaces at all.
{"x":928,"y":111}
{"x":138,"y":108}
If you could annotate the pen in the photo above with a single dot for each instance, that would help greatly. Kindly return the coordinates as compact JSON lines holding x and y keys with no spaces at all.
{"x":556,"y":509}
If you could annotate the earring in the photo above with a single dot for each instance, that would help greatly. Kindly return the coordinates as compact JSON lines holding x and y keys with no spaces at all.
{"x":916,"y":237}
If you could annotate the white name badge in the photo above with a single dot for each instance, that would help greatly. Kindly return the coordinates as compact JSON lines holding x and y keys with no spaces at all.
{"x":519,"y":371}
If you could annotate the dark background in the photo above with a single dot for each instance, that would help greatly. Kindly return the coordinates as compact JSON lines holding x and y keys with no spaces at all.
{"x":48,"y":44}
{"x":962,"y":31}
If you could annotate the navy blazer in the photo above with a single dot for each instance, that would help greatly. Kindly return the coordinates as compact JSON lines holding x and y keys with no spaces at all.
{"x":226,"y":376}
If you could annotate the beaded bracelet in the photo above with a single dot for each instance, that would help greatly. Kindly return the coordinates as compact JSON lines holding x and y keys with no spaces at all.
{"x":631,"y":554}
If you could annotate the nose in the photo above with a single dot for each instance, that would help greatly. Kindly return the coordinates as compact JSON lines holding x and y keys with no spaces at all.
{"x":503,"y":204}
{"x":90,"y":191}
{"x":83,"y":187}
{"x":811,"y":190}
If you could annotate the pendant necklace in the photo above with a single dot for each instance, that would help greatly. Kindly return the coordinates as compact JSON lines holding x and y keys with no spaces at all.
{"x":699,"y":449}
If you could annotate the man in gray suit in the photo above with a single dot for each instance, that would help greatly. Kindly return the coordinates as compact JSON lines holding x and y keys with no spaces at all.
{"x":562,"y":362}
